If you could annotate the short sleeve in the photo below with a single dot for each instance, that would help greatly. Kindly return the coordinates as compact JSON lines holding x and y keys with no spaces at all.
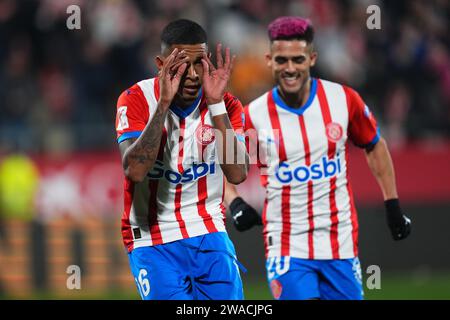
{"x":251,"y":137}
{"x":132,"y":114}
{"x":256,"y":153}
{"x":362,"y":127}
{"x":235,"y":113}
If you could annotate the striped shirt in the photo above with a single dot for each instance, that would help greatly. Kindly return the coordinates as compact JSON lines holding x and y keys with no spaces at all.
{"x":309,"y":211}
{"x":182,"y":195}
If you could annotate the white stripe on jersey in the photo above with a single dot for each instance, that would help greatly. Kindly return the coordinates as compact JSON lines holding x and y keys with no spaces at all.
{"x":147,"y":87}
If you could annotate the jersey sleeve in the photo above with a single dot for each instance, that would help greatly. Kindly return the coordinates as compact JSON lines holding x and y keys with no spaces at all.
{"x":251,"y":137}
{"x":362,"y":127}
{"x":236,"y":114}
{"x":255,"y":152}
{"x":132,"y":114}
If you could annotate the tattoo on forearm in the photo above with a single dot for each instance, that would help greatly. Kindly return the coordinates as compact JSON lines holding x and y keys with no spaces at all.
{"x":145,"y":149}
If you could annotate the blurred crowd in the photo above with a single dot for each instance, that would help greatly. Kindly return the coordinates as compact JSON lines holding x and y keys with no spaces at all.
{"x":58,"y":87}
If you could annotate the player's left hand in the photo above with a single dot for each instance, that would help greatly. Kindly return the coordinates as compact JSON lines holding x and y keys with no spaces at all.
{"x":399,"y":224}
{"x":215,"y":80}
{"x":244,"y":216}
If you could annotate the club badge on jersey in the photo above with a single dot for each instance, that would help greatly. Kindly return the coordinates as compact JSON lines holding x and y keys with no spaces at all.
{"x":205,"y":134}
{"x":334,"y":132}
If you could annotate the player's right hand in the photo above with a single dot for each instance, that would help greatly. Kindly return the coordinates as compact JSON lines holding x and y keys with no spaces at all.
{"x":244,"y":216}
{"x":170,"y":75}
{"x":399,"y":224}
{"x":215,"y":79}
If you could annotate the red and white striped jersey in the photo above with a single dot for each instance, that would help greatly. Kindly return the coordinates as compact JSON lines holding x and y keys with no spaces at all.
{"x":182,"y":195}
{"x":309,"y":211}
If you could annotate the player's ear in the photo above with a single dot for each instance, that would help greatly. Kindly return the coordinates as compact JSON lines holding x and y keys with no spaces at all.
{"x":269,"y":60}
{"x":209,"y":55}
{"x":159,"y":62}
{"x":313,"y":56}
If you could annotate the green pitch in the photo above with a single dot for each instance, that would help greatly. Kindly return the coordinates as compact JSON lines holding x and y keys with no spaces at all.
{"x":392,"y":288}
{"x":436,"y":287}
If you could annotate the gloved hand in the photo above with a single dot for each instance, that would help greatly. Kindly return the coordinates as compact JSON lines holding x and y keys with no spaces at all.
{"x":399,"y":224}
{"x":244,"y":216}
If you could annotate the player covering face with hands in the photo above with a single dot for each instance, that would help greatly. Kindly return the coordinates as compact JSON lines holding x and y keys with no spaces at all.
{"x":172,"y":132}
{"x":309,"y":217}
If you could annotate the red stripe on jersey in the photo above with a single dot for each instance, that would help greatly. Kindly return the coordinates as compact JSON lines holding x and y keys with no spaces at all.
{"x":181,"y":146}
{"x":331,"y":153}
{"x":250,"y":136}
{"x":156,"y":89}
{"x":222,"y":207}
{"x":310,"y":190}
{"x":202,"y":182}
{"x":353,"y":216}
{"x":127,"y":234}
{"x":286,"y":190}
{"x":264,"y":220}
{"x":286,"y":216}
{"x":248,"y":120}
{"x":155,"y":232}
{"x":203,"y":108}
{"x":201,"y":205}
{"x":275,"y":121}
{"x":179,"y":186}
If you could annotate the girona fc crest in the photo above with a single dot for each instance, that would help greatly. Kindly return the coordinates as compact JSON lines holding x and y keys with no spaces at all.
{"x":276,"y":288}
{"x":205,"y":134}
{"x":334,"y":131}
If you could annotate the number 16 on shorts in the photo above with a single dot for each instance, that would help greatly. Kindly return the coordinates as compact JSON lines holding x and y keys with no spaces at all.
{"x":142,"y":283}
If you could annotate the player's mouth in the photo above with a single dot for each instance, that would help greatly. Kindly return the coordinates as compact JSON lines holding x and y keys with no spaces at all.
{"x":290,"y":80}
{"x":191,"y":89}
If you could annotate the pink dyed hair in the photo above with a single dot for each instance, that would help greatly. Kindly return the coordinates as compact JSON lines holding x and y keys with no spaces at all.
{"x":291,"y":28}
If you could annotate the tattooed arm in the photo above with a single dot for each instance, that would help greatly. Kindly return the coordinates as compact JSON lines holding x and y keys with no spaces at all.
{"x":139,"y":155}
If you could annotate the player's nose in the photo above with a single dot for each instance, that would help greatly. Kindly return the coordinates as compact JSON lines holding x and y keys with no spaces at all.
{"x":290,"y":66}
{"x":191,"y":73}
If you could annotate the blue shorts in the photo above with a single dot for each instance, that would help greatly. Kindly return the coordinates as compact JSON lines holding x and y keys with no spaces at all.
{"x":300,"y":279}
{"x":198,"y":268}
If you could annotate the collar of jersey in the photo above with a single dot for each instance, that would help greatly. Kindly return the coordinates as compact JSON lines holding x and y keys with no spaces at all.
{"x":186,"y":111}
{"x":299,"y":111}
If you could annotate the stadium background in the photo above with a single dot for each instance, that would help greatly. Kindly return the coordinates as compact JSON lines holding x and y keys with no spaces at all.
{"x":60,"y":172}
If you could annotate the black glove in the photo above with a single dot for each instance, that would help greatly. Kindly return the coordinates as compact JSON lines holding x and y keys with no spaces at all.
{"x":399,"y":224}
{"x":244,"y":216}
